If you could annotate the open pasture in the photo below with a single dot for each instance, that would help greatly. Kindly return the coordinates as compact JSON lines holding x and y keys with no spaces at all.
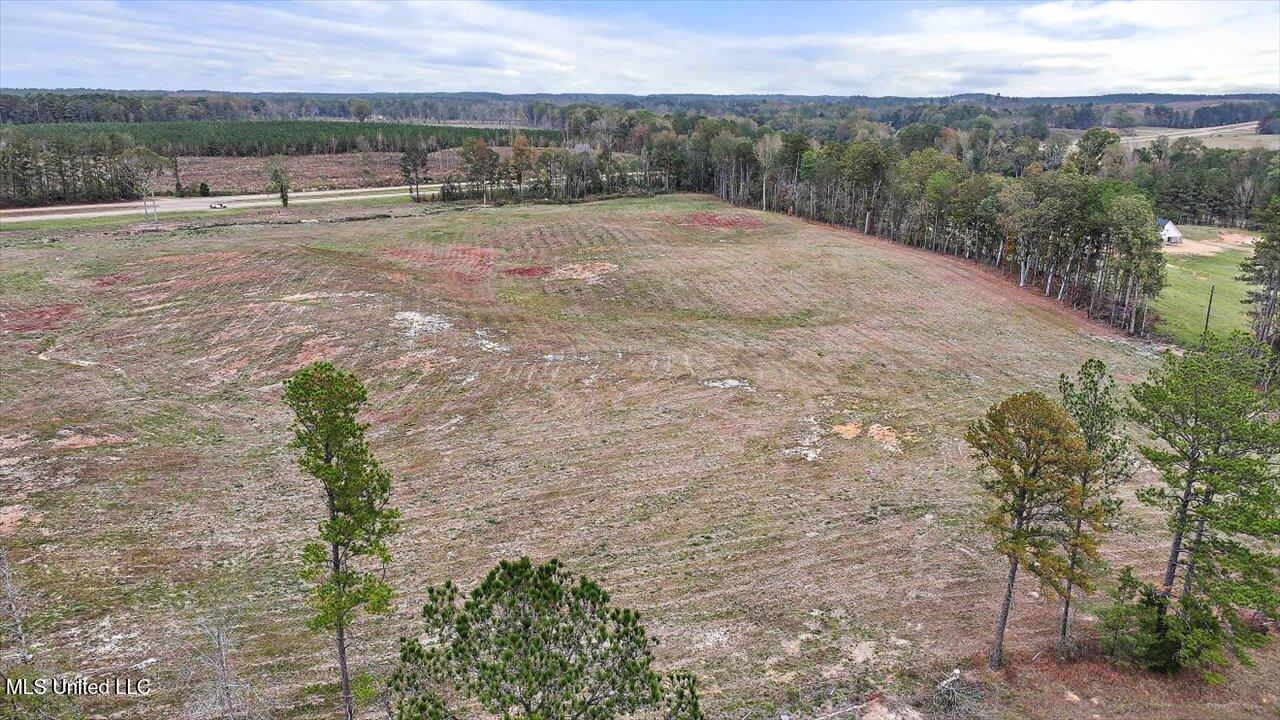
{"x":748,"y":427}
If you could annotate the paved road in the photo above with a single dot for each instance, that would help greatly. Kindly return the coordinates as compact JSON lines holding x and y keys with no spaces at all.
{"x":172,"y":204}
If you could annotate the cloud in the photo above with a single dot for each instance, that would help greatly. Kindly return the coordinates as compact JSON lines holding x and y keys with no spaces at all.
{"x":1046,"y":48}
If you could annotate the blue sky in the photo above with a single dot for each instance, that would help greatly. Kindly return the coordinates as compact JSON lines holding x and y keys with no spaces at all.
{"x":871,"y":48}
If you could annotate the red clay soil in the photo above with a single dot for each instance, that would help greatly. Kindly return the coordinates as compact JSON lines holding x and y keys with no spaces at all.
{"x":36,"y":319}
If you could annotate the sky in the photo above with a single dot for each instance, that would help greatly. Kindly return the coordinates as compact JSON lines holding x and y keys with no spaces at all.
{"x":822,"y":48}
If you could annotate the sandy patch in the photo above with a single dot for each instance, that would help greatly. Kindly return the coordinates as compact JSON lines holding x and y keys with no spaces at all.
{"x":11,"y":516}
{"x":730,"y":384}
{"x":889,"y":438}
{"x":1224,"y":241}
{"x":848,"y":431}
{"x":412,"y":324}
{"x":488,"y":344}
{"x":304,"y":297}
{"x":590,"y":272}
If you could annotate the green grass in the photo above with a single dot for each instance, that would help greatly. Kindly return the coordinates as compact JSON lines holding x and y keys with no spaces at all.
{"x":1183,"y":303}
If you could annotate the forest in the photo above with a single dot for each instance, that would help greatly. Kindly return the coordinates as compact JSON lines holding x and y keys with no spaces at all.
{"x":279,"y":137}
{"x":779,"y":112}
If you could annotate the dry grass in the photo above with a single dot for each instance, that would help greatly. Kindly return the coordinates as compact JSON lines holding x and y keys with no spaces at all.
{"x":240,"y":175}
{"x":662,"y":401}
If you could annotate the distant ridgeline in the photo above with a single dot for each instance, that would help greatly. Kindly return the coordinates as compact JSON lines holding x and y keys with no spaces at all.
{"x":279,"y":137}
{"x":561,"y":111}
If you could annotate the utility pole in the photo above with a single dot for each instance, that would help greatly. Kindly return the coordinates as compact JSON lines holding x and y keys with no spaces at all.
{"x":1209,"y":309}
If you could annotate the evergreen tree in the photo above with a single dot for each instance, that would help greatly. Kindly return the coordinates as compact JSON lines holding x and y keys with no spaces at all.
{"x":1214,"y":417}
{"x":1262,"y":272}
{"x":533,"y":642}
{"x":1034,"y":452}
{"x":1092,"y":401}
{"x":352,"y":546}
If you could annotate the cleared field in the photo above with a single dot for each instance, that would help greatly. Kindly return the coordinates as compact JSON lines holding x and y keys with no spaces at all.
{"x":747,"y":426}
{"x":1208,"y":258}
{"x":1240,"y":136}
{"x":232,"y":175}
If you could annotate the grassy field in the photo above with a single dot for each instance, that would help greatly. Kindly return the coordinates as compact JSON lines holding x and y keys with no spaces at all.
{"x":551,"y":381}
{"x":1227,"y":139}
{"x":1183,"y":304}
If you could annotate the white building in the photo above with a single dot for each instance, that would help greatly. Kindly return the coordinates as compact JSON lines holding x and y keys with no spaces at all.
{"x":1169,"y":232}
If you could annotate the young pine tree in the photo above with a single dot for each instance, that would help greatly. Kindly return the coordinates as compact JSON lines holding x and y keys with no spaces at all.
{"x":1092,"y":401}
{"x":1034,"y":453}
{"x":533,"y":642}
{"x":279,"y":179}
{"x":1218,"y":444}
{"x":342,"y":564}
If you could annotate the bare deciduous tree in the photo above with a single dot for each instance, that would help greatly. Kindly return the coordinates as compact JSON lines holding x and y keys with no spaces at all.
{"x":14,"y":607}
{"x":217,"y":690}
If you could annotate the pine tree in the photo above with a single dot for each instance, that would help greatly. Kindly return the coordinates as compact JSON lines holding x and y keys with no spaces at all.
{"x":533,"y":642}
{"x":1214,"y":418}
{"x":343,"y":563}
{"x":1262,"y":271}
{"x":1092,"y":401}
{"x":1034,"y":452}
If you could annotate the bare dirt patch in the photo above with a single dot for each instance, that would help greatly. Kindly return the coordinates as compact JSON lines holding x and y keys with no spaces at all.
{"x":338,"y":171}
{"x":530,"y":271}
{"x":722,"y":221}
{"x":1225,"y":241}
{"x":848,"y":431}
{"x":75,"y":441}
{"x":13,"y":516}
{"x":590,"y":272}
{"x":554,"y":419}
{"x":36,"y":319}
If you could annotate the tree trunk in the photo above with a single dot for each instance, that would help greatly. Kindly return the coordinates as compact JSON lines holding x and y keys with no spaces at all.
{"x":997,"y":652}
{"x":340,"y":641}
{"x":1064,"y":627}
{"x":1175,"y":548}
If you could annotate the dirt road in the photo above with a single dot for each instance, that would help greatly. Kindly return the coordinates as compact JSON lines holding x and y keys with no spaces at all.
{"x":196,"y":204}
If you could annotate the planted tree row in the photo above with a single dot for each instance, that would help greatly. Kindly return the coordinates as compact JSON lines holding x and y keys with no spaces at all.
{"x":281,"y":137}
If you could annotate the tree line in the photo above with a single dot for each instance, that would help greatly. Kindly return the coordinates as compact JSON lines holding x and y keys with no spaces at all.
{"x":776,"y":112}
{"x":282,"y":137}
{"x":1076,"y":236}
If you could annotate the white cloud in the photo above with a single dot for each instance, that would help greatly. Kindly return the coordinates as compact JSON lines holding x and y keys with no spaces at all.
{"x":1049,"y":48}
